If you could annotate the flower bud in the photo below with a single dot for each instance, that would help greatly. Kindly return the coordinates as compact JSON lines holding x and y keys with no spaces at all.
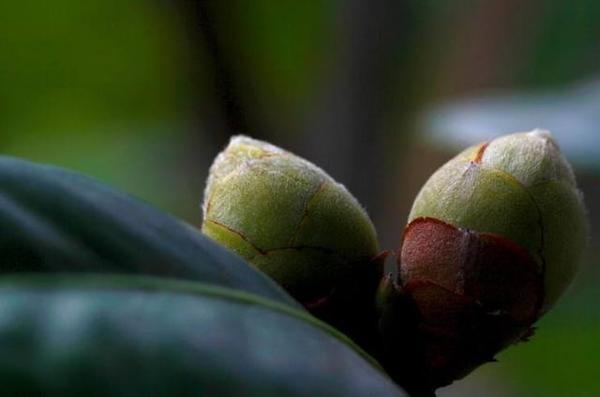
{"x":287,"y":217}
{"x":493,"y":239}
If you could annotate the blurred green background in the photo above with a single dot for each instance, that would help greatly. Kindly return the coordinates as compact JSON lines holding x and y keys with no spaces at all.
{"x":143,"y":94}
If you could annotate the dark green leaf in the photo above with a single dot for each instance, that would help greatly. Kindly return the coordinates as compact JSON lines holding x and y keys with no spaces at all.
{"x":52,"y":220}
{"x":124,"y":335}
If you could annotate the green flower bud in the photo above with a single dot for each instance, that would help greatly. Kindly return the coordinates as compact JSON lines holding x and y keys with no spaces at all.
{"x":494,"y":238}
{"x":518,"y":187}
{"x":287,"y":217}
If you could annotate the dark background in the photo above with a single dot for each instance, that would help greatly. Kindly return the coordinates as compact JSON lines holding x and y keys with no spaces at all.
{"x":143,"y":94}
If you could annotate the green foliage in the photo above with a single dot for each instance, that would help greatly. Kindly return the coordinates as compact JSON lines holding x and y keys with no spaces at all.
{"x":60,"y":221}
{"x":227,"y":331}
{"x":567,"y":339}
{"x":282,"y":50}
{"x":72,"y":65}
{"x":101,"y":87}
{"x":130,"y":336}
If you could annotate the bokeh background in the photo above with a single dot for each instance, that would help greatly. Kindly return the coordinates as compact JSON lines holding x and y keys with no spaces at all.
{"x":142,"y":94}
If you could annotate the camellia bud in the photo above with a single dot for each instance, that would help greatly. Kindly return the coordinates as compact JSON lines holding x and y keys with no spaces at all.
{"x":290,"y":219}
{"x":493,"y":239}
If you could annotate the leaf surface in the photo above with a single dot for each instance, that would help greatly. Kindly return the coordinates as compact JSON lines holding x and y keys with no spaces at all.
{"x":53,"y":220}
{"x":131,"y":336}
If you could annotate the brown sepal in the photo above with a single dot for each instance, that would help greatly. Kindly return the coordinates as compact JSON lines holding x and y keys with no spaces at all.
{"x":475,"y":293}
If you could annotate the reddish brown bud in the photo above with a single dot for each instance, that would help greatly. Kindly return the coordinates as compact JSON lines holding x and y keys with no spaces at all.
{"x":475,"y":294}
{"x":494,"y":238}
